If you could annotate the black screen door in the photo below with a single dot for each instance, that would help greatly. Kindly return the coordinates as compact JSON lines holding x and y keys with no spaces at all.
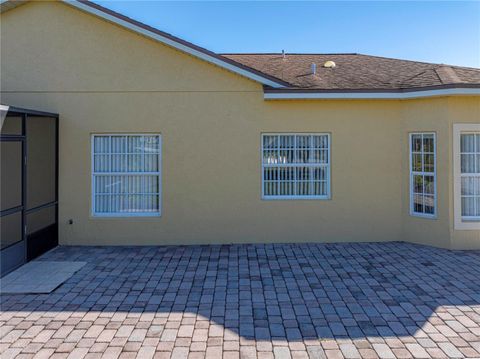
{"x":29,"y":186}
{"x":12,"y":160}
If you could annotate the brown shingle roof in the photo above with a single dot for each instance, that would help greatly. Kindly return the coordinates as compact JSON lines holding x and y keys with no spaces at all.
{"x":357,"y":72}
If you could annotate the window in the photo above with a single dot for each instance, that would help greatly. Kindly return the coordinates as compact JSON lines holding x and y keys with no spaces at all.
{"x":466,"y":154}
{"x":296,"y":166}
{"x":470,"y":175}
{"x":422,"y":174}
{"x":126,"y":175}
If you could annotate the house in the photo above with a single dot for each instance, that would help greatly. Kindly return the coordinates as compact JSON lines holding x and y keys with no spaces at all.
{"x":164,"y":142}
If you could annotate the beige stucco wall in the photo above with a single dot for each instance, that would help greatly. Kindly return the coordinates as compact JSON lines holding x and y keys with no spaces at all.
{"x":461,"y":110}
{"x":437,"y":115}
{"x":101,"y":78}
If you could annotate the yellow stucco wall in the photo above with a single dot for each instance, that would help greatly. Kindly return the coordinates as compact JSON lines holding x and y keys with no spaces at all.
{"x":103,"y":79}
{"x":461,"y":110}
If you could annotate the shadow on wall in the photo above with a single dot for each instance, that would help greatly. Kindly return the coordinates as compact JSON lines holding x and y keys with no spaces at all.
{"x":274,"y":291}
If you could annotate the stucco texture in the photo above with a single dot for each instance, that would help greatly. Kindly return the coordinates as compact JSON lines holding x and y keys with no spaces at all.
{"x":101,"y":78}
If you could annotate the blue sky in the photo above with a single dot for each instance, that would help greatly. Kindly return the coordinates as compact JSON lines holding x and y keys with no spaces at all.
{"x":432,"y":31}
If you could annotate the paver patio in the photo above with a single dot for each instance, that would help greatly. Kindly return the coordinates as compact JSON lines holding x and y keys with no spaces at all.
{"x":252,"y":301}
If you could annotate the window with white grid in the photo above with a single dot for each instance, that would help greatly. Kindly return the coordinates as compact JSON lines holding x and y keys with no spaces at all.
{"x":470,"y":175}
{"x":126,"y":178}
{"x":422,"y":174}
{"x":296,"y":166}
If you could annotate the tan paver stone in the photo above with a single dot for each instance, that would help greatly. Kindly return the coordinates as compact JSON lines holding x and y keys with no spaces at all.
{"x":281,"y":352}
{"x":76,"y":335}
{"x":32,"y":348}
{"x":329,"y":344}
{"x":231,"y":345}
{"x":183,"y":342}
{"x":436,"y":353}
{"x":299,"y":354}
{"x":196,"y":355}
{"x":333,"y":354}
{"x":124,"y":331}
{"x":63,"y":331}
{"x":228,"y":354}
{"x":162,"y":355}
{"x":118,"y":342}
{"x":19,"y":343}
{"x":44,"y":354}
{"x":132,"y":346}
{"x":369,"y":353}
{"x":165,"y":346}
{"x":198,"y":347}
{"x":213,"y":352}
{"x":146,"y":352}
{"x":169,"y":335}
{"x":267,"y":355}
{"x":264,"y":346}
{"x":138,"y":335}
{"x":248,"y":352}
{"x":200,"y":335}
{"x":11,"y":353}
{"x":215,"y":331}
{"x":44,"y":336}
{"x":59,"y":356}
{"x":185,"y":331}
{"x":417,"y":351}
{"x":112,"y":352}
{"x":85,"y":343}
{"x":383,"y":351}
{"x":402,"y":353}
{"x":98,"y":348}
{"x":65,"y":348}
{"x":218,"y":341}
{"x":33,"y":331}
{"x":107,"y":335}
{"x":94,"y":331}
{"x":297,"y":346}
{"x":128,"y":355}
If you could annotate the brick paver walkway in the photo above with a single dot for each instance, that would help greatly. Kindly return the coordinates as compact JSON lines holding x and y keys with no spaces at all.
{"x":253,"y":301}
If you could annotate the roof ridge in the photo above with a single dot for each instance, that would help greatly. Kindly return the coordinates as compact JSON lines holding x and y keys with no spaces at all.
{"x":398,"y":59}
{"x":422,"y":62}
{"x":346,"y":54}
{"x":288,"y":53}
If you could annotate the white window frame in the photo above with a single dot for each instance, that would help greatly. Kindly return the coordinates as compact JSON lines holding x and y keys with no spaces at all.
{"x":93,"y":174}
{"x":423,"y":173}
{"x":461,"y":223}
{"x":328,"y":166}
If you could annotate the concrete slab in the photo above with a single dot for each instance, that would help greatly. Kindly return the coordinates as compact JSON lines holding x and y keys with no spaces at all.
{"x":38,"y":277}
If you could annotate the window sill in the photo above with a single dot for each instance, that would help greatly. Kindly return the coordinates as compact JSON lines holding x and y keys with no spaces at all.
{"x":281,"y":198}
{"x":125,"y":215}
{"x":423,"y":216}
{"x":467,"y":225}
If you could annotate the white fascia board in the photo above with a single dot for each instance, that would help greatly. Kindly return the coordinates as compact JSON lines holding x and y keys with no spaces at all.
{"x":174,"y":44}
{"x":371,"y":95}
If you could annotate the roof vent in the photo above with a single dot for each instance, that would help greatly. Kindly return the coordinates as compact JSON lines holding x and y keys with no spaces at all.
{"x":314,"y":68}
{"x":329,"y":64}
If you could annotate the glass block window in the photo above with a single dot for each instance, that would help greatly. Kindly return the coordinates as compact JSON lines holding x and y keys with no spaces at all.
{"x":126,"y":177}
{"x":296,"y":166}
{"x":470,"y":175}
{"x":422,"y":174}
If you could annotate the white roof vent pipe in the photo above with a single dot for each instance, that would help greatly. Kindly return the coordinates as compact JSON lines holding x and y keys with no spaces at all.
{"x":314,"y":68}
